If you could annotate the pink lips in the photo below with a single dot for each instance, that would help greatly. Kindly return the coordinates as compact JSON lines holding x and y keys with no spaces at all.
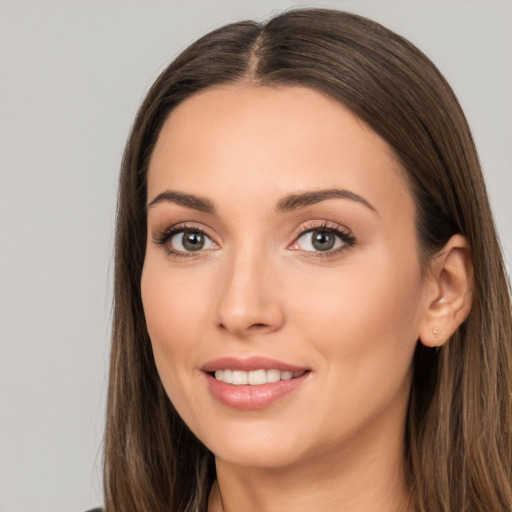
{"x":246,"y":396}
{"x":252,"y":363}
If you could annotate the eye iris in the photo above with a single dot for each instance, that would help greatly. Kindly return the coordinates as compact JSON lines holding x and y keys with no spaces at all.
{"x":193,"y":240}
{"x":323,"y":240}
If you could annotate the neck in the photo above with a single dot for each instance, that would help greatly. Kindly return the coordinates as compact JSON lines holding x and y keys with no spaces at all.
{"x":365,"y":476}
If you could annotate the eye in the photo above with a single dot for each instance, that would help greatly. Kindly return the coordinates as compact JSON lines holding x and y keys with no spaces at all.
{"x":182,"y":241}
{"x":323,"y":239}
{"x":318,"y":240}
{"x":190,"y":240}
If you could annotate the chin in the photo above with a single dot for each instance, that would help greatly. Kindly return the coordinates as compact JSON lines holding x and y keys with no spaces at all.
{"x":257,"y":457}
{"x":255,"y":446}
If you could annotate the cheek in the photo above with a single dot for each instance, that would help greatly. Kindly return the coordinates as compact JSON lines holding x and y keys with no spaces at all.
{"x":364,"y":320}
{"x":175,"y":306}
{"x":380,"y":296}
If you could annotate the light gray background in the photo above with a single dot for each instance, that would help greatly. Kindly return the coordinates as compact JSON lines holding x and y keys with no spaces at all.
{"x":72,"y":74}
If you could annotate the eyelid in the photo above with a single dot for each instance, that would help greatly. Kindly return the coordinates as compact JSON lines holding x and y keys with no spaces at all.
{"x":181,"y":226}
{"x":342,"y":232}
{"x":320,"y":224}
{"x":164,"y":236}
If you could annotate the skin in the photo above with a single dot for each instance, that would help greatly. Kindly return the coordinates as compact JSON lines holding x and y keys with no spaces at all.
{"x":352,"y":317}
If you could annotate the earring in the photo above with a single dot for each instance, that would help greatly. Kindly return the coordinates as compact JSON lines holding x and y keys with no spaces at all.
{"x":435,"y":332}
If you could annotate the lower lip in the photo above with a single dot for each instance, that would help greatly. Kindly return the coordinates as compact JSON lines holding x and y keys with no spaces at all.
{"x":249,"y":397}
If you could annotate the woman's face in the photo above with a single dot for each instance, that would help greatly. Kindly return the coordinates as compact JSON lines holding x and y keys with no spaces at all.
{"x":281,"y":243}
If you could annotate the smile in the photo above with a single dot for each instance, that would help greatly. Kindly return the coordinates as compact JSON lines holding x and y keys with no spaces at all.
{"x":253,"y":383}
{"x":255,"y":377}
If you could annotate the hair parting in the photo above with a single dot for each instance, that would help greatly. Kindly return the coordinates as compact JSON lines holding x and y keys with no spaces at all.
{"x":458,"y":434}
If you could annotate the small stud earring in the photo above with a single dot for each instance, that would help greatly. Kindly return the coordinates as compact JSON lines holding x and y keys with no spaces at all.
{"x":435,"y":332}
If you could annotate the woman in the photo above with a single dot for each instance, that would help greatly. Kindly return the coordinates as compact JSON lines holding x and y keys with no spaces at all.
{"x":311,"y":308}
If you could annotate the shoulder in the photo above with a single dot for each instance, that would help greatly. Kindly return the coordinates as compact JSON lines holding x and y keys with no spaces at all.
{"x":97,"y":509}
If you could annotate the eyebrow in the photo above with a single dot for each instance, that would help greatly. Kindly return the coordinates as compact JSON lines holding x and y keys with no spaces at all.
{"x":188,"y":200}
{"x":286,"y":204}
{"x":295,"y":201}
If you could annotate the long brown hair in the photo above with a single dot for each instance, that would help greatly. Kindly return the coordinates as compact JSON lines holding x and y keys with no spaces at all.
{"x":458,"y":436}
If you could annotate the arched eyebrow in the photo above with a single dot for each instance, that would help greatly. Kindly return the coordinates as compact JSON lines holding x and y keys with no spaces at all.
{"x":188,"y":200}
{"x":286,"y":204}
{"x":295,"y":201}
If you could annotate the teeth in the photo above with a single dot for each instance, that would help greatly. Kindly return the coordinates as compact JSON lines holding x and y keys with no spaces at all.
{"x":255,"y":377}
{"x":240,"y":377}
{"x":273,"y":375}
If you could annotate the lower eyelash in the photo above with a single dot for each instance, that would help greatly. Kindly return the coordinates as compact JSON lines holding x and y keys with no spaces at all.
{"x":345,"y":235}
{"x":177,"y":254}
{"x":163,"y":237}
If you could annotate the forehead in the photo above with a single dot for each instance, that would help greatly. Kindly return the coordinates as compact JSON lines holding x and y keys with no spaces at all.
{"x":262,"y":142}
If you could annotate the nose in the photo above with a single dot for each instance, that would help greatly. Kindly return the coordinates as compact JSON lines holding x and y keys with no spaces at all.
{"x":249,"y":296}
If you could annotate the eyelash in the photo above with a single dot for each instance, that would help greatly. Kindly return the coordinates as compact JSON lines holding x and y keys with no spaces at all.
{"x":344,"y":234}
{"x":165,"y":236}
{"x":348,"y":240}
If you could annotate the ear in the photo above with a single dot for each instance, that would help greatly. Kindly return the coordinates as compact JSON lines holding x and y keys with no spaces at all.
{"x":449,"y":292}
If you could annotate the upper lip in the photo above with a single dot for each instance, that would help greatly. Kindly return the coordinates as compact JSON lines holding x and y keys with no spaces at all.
{"x":250,"y":364}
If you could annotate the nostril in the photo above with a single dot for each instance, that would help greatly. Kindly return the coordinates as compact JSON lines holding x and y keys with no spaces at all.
{"x":259,"y":327}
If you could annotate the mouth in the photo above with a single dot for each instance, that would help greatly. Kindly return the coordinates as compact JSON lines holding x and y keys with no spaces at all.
{"x":253,"y":383}
{"x":254,"y":377}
